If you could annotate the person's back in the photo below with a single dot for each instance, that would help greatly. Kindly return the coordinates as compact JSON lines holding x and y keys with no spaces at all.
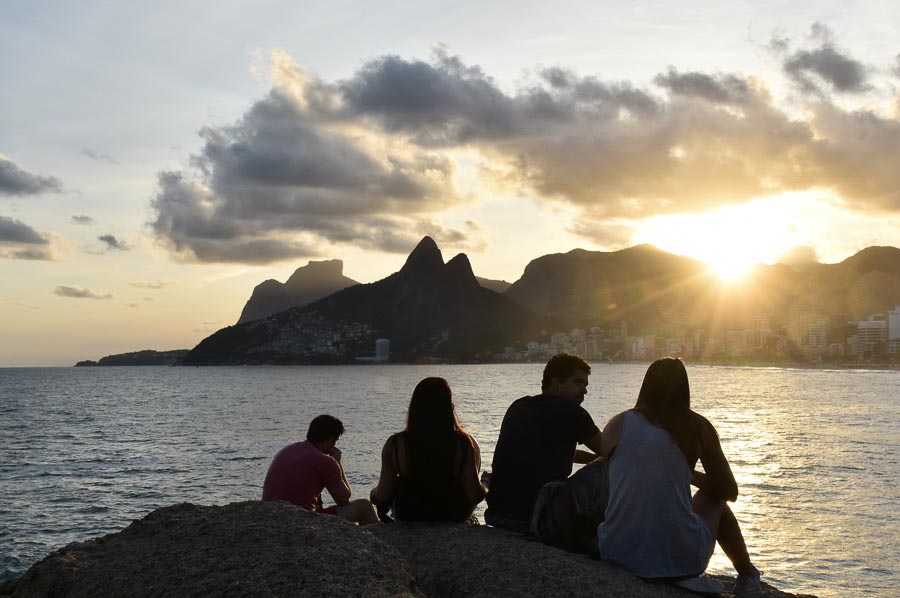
{"x":299,"y":473}
{"x":428,"y":493}
{"x":650,"y":528}
{"x":536,"y":446}
{"x":429,"y":472}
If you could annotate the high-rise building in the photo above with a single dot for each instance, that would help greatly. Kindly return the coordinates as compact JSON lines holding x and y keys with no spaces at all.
{"x":892,"y":316}
{"x":382,"y":350}
{"x":870,"y":334}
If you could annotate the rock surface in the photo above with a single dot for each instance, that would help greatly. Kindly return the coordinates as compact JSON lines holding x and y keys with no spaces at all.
{"x":477,"y":560}
{"x":274,"y":549}
{"x":244,"y":549}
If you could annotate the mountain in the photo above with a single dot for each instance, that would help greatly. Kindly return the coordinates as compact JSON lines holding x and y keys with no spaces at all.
{"x":498,"y":286}
{"x":651,"y":289}
{"x":307,"y":284}
{"x":145,"y":357}
{"x":588,"y":288}
{"x":428,"y":309}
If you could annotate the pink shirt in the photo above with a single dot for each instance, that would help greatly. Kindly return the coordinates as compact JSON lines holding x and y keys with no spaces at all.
{"x":298,"y":474}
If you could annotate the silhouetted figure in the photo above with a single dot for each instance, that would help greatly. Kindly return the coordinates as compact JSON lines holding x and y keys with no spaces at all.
{"x":538,"y":440}
{"x":300,"y":471}
{"x":653,"y":528}
{"x":429,"y":472}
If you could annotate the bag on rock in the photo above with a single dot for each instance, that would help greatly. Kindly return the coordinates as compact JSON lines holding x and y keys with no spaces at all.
{"x":566,"y":514}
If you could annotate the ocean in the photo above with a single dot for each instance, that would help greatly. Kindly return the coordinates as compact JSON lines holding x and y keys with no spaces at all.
{"x":84,"y":451}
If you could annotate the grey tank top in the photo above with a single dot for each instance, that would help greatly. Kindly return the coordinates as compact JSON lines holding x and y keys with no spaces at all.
{"x":650,"y":529}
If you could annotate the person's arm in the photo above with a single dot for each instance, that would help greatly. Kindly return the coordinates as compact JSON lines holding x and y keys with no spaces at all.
{"x":611,"y":434}
{"x":382,"y":496}
{"x":586,"y":432}
{"x":593,"y":443}
{"x":337,"y":485}
{"x":471,"y":465}
{"x":718,"y":480}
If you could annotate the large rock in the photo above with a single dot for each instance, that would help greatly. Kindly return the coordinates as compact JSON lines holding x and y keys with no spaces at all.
{"x":274,"y":549}
{"x":243,"y":549}
{"x":481,"y":561}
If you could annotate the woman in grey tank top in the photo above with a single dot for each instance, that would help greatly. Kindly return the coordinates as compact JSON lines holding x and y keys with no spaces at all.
{"x":653,"y":527}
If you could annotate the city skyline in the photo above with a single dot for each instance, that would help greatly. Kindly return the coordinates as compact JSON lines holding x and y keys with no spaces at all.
{"x":157,"y":165}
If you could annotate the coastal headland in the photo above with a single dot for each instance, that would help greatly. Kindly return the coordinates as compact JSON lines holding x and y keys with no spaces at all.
{"x":260,"y":549}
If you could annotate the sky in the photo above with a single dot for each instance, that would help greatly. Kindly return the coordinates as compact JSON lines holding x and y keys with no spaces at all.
{"x":159,"y":160}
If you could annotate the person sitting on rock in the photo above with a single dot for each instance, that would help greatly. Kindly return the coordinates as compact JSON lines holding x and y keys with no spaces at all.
{"x":538,"y":442}
{"x":654,"y":528}
{"x":429,"y":472}
{"x":300,"y":471}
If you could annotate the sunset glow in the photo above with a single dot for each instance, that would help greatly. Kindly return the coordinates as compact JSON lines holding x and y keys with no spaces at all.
{"x":143,"y":215}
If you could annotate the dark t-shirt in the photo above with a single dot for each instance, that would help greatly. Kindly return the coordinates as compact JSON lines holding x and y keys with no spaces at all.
{"x":537,"y":442}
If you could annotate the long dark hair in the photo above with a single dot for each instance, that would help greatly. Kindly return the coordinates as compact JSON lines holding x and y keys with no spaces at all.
{"x":665,"y":400}
{"x":433,"y":431}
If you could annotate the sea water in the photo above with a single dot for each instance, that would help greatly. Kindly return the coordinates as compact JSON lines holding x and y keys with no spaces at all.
{"x":84,"y":451}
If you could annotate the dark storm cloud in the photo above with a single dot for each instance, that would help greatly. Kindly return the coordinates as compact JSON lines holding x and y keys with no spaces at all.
{"x":15,"y":181}
{"x":82,"y":219}
{"x":112,"y":243}
{"x":724,"y":89}
{"x":840,"y":71}
{"x":281,"y":172}
{"x":446,"y":102}
{"x":22,"y":242}
{"x":369,"y":161}
{"x":618,"y":151}
{"x":16,"y":231}
{"x":809,"y":68}
{"x":99,"y":157}
{"x":79,"y":293}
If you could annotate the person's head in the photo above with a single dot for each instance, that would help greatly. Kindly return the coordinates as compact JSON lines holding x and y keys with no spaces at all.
{"x":431,"y":408}
{"x":665,"y":400}
{"x":324,"y":431}
{"x":566,"y":376}
{"x":665,"y":387}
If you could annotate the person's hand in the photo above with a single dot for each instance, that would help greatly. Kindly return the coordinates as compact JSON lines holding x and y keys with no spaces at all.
{"x":486,"y":480}
{"x":336,"y":453}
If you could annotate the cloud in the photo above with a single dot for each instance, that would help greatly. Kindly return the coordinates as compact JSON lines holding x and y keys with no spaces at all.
{"x":15,"y":181}
{"x":20,"y":241}
{"x":608,"y":235}
{"x":371,"y":161}
{"x":153,"y":284}
{"x":16,"y":231}
{"x":284,"y":180}
{"x":99,"y":157}
{"x":77,"y":293}
{"x":44,"y":254}
{"x":83,"y":220}
{"x":112,"y":243}
{"x":800,"y":255}
{"x":823,"y":64}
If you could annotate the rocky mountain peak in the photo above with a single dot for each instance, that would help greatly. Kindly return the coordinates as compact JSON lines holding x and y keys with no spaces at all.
{"x":459,"y":270}
{"x":426,"y":258}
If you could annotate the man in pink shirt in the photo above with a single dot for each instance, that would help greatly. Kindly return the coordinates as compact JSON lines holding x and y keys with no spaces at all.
{"x":300,"y":471}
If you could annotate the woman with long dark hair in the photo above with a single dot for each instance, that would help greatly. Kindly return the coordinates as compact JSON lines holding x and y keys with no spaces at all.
{"x":429,"y":471}
{"x":653,"y":527}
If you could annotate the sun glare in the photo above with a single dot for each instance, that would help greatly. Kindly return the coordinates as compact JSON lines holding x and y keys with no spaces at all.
{"x":730,"y":240}
{"x":729,"y":271}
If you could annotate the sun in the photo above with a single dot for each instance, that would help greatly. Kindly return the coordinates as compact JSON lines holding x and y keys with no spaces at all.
{"x":731,"y":240}
{"x":727,"y":270}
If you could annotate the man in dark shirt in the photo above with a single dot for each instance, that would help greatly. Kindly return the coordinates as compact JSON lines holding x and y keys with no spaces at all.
{"x":538,"y":439}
